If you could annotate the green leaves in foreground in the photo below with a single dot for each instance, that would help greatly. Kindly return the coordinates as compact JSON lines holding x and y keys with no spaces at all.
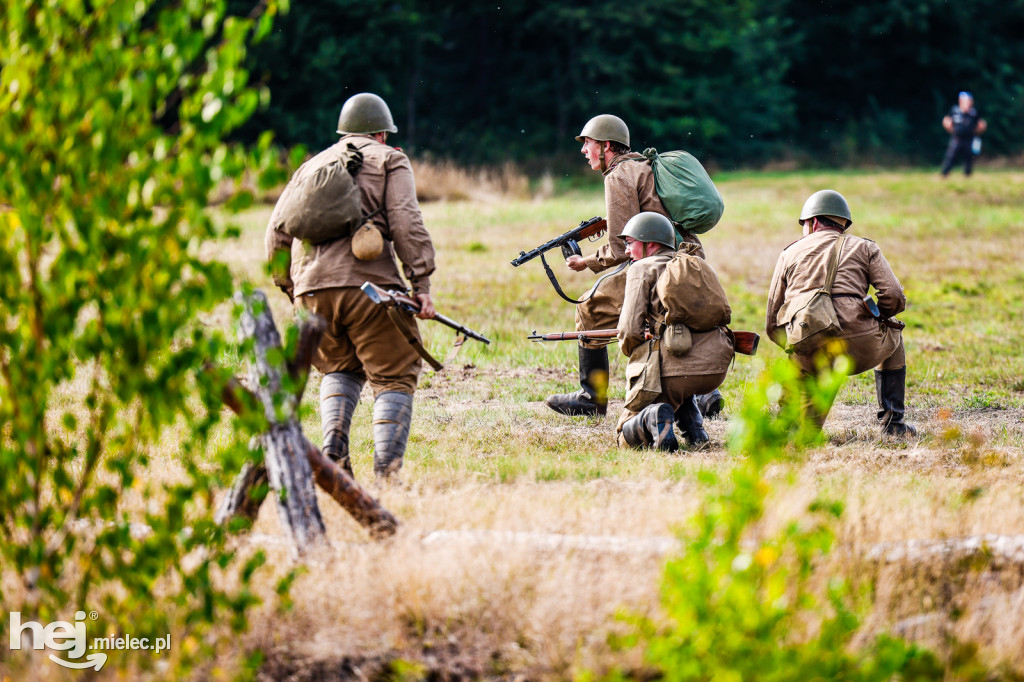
{"x":114,"y":113}
{"x":740,"y":604}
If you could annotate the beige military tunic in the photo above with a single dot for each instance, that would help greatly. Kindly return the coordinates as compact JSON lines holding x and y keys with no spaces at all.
{"x":802,"y":268}
{"x":701,"y":370}
{"x":628,"y":190}
{"x":325,"y":278}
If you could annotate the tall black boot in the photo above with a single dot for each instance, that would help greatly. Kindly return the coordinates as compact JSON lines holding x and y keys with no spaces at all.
{"x":711,"y":404}
{"x":691,"y":423}
{"x":652,"y":428}
{"x":592,"y":398}
{"x":339,"y":395}
{"x":890,"y":388}
{"x":392,"y":417}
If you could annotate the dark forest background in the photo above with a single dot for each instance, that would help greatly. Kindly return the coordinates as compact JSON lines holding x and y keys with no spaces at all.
{"x":736,"y":82}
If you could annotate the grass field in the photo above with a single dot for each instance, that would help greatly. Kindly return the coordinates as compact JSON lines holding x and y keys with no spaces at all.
{"x":524,"y":533}
{"x":513,"y":587}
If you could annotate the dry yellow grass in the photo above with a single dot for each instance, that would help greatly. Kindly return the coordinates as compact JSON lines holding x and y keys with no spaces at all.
{"x":486,"y":458}
{"x":447,"y":181}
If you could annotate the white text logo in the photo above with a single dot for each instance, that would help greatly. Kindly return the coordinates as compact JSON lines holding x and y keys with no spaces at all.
{"x":70,"y":637}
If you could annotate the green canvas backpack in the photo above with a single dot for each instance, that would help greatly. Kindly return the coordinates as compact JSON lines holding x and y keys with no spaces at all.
{"x":686,"y":190}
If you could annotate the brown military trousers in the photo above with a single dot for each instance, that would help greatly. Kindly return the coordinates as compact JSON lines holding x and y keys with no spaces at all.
{"x":674,"y":390}
{"x":881,"y":350}
{"x":601,"y":311}
{"x":361,"y":339}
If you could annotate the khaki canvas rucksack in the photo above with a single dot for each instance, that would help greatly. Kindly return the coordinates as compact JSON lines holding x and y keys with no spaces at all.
{"x":692,"y":294}
{"x":811,"y":317}
{"x":322,"y":202}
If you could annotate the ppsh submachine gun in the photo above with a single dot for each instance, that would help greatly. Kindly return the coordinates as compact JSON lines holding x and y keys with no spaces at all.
{"x":569,"y":243}
{"x":400,"y":305}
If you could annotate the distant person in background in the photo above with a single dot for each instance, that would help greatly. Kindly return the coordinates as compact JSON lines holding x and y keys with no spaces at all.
{"x":870,"y":342}
{"x":964,"y":124}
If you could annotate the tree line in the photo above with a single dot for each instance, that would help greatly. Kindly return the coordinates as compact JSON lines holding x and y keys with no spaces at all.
{"x":736,"y":83}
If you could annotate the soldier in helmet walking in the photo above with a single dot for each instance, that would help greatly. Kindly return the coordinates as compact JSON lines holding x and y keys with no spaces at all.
{"x":868,"y":341}
{"x":649,"y":239}
{"x":361,"y":344}
{"x":628,"y":190}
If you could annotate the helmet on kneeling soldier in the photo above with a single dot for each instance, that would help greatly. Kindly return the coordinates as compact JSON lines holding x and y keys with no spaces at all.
{"x":827,"y":203}
{"x":649,"y":226}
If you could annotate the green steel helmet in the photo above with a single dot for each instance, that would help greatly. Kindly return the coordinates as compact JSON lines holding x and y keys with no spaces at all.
{"x":605,"y":127}
{"x":826,"y":202}
{"x":649,"y":226}
{"x":365,"y":114}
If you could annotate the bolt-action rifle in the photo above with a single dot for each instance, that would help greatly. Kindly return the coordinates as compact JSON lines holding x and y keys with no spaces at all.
{"x":744,"y":342}
{"x":398,"y":304}
{"x":872,"y":308}
{"x":570,"y":243}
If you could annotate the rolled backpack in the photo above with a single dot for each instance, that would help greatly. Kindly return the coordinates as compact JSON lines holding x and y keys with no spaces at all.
{"x":686,"y":190}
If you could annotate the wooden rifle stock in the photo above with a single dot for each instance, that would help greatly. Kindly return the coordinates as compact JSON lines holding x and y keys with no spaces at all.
{"x":745,"y":342}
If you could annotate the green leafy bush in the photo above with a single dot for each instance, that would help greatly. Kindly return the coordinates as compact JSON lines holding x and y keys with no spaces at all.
{"x":114,"y":112}
{"x":739,"y":604}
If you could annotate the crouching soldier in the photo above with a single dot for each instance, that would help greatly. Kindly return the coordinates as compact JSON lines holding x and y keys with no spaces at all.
{"x":806,"y":266}
{"x":628,"y":189}
{"x":361,"y":344}
{"x":690,"y":363}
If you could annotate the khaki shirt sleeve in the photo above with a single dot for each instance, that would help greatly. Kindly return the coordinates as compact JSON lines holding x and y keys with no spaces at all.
{"x":891,"y":299}
{"x":409,"y":236}
{"x":622,"y":203}
{"x":776,"y":297}
{"x":279,"y":250}
{"x":633,"y":317}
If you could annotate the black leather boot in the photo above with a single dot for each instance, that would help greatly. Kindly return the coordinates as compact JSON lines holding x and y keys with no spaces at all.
{"x":691,"y":423}
{"x":592,"y":398}
{"x":652,"y":428}
{"x":890,"y":388}
{"x":711,"y":404}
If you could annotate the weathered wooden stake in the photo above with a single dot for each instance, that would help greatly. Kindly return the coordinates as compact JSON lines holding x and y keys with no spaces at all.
{"x":284,"y":446}
{"x":285,"y":439}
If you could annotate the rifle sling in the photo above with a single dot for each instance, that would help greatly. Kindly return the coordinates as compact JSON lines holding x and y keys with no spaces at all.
{"x":398,"y":319}
{"x":589,"y":294}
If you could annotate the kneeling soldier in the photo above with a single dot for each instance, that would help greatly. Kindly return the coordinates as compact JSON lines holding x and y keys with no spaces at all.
{"x":628,"y":189}
{"x":650,"y":243}
{"x":869,"y":341}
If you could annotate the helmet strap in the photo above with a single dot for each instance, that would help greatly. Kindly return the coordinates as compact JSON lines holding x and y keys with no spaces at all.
{"x":604,"y":162}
